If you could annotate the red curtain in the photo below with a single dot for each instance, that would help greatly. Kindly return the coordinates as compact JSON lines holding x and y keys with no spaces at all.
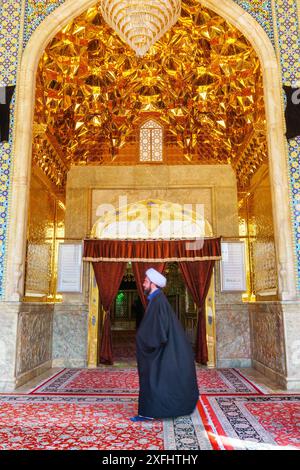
{"x":152,"y":250}
{"x":109,"y":258}
{"x":109,"y":277}
{"x":197,"y":275}
{"x":139,"y":269}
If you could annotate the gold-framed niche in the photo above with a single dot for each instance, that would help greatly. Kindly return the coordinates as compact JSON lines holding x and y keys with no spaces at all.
{"x":149,"y":214}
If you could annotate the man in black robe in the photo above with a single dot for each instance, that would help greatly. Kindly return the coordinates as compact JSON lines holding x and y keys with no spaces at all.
{"x":138,"y":309}
{"x":166,"y":367}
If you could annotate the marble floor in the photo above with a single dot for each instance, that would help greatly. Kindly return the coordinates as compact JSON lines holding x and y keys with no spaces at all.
{"x":251,"y":373}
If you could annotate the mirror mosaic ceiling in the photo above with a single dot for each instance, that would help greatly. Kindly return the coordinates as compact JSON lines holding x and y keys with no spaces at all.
{"x":202,"y":82}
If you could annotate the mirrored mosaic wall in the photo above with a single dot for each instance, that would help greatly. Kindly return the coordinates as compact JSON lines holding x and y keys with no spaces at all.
{"x":256,"y":228}
{"x":46,"y":223}
{"x":201,"y":82}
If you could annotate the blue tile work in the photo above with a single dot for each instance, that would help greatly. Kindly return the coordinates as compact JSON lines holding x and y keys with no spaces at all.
{"x":262,"y":12}
{"x":294,"y":170}
{"x":10,"y":22}
{"x":35,"y":12}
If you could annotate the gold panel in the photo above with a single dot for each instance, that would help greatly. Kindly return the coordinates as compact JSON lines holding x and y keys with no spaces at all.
{"x":256,"y":226}
{"x":46,"y":226}
{"x":38,"y":269}
{"x":210,"y":312}
{"x":93,"y":323}
{"x":202,"y":81}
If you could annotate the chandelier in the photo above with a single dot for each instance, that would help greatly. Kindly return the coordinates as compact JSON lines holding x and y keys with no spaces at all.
{"x":140,"y":23}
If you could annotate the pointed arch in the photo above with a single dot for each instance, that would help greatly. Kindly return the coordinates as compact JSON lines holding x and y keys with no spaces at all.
{"x":234,"y":14}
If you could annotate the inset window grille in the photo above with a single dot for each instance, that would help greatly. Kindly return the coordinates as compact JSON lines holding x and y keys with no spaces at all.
{"x":151,"y":142}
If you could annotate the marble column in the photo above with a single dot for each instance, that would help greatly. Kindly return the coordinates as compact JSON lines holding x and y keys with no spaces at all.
{"x":8,"y":341}
{"x":25,"y":342}
{"x":70,"y":328}
{"x":275,"y":341}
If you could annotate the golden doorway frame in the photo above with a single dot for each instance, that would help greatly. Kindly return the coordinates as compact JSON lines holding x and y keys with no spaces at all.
{"x":95,"y":320}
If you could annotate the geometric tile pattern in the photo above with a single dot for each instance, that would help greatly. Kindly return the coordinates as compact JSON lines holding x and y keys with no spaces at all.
{"x":261,"y":12}
{"x":10,"y":21}
{"x":294,"y":171}
{"x":288,"y":45}
{"x":10,"y":17}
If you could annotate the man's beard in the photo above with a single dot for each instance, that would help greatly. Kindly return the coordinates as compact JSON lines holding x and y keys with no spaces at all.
{"x":147,"y":291}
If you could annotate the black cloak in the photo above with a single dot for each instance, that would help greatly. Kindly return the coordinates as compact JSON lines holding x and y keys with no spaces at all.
{"x":6,"y":94}
{"x":166,"y":367}
{"x":292,"y":112}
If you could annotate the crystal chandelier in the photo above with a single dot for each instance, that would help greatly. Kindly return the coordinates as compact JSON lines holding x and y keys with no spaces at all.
{"x":140,"y":23}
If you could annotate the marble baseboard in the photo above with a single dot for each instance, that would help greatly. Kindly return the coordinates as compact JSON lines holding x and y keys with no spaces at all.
{"x":32,"y":374}
{"x":25,"y":342}
{"x":70,"y":363}
{"x":7,"y":386}
{"x":267,"y":336}
{"x":292,"y":384}
{"x":9,"y":312}
{"x":34,"y":344}
{"x":273,"y":375}
{"x":291,"y":322}
{"x":70,"y":329}
{"x":233,"y":334}
{"x":228,"y":363}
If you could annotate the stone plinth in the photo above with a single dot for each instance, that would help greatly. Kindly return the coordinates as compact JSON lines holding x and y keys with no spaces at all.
{"x":275,"y":341}
{"x":70,"y":327}
{"x":233,"y":335}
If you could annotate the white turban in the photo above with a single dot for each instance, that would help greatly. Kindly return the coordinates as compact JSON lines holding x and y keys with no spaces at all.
{"x":155,"y":277}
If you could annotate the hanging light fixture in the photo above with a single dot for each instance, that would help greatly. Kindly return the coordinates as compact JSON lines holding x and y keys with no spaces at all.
{"x":140,"y":23}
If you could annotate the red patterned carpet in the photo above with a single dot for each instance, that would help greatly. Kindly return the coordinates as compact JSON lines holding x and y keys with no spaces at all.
{"x":56,"y":422}
{"x":123,"y":381}
{"x":252,"y":422}
{"x":123,"y":342}
{"x":90,"y":409}
{"x":66,"y":423}
{"x":108,"y":380}
{"x":227,"y":382}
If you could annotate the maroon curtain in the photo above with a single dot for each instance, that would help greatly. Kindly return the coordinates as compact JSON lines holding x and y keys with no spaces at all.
{"x":139,"y":269}
{"x":197,"y":275}
{"x":108,"y":277}
{"x":152,"y":250}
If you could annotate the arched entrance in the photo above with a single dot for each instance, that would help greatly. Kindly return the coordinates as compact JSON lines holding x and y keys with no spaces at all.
{"x":148,"y":222}
{"x":23,"y":137}
{"x":282,"y":331}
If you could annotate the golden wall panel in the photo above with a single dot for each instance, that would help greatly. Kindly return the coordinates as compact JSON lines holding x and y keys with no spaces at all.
{"x":256,"y":225}
{"x":45,"y":227}
{"x":38,"y":268}
{"x":214,"y":186}
{"x":41,"y":211}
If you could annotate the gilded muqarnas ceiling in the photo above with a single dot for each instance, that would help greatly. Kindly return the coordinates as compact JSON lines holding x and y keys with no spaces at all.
{"x":202,"y":81}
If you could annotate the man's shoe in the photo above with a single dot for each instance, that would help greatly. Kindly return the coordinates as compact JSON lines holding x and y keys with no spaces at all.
{"x":140,"y":418}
